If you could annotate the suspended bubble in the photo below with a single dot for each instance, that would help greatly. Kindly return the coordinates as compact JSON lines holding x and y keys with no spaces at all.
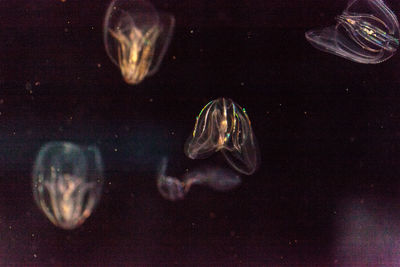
{"x":67,"y":182}
{"x":366,"y":32}
{"x":136,"y":37}
{"x":223,"y":125}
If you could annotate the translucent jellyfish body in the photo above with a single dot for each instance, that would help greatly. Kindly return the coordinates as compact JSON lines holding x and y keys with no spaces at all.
{"x":366,"y":32}
{"x":136,"y":37}
{"x":173,"y":189}
{"x":223,"y":125}
{"x":67,"y":182}
{"x":170,"y":188}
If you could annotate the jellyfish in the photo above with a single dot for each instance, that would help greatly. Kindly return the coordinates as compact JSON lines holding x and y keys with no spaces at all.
{"x":366,"y":32}
{"x":173,"y":189}
{"x":136,"y":37}
{"x":67,"y":182}
{"x":219,"y":179}
{"x":223,"y":125}
{"x":170,"y":188}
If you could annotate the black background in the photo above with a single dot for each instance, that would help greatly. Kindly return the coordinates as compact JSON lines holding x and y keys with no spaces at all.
{"x":327,"y":190}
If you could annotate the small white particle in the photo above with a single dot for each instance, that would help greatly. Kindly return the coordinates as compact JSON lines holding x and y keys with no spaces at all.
{"x":28,"y":86}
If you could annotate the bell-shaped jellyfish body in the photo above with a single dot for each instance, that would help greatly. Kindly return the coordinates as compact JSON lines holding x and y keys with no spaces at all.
{"x":67,"y":182}
{"x":223,"y":125}
{"x":136,"y":37}
{"x":366,"y":32}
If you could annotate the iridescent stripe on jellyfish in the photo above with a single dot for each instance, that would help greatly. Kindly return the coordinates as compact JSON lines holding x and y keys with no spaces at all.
{"x":223,"y":125}
{"x":366,"y":32}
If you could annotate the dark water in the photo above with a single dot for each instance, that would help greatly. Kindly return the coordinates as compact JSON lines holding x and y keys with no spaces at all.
{"x":327,"y":190}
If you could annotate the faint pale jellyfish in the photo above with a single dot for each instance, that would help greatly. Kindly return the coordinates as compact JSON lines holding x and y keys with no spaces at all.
{"x":136,"y":37}
{"x":223,"y":125}
{"x":67,"y":182}
{"x":170,"y":188}
{"x":366,"y":32}
{"x":218,"y":179}
{"x":174,"y":189}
